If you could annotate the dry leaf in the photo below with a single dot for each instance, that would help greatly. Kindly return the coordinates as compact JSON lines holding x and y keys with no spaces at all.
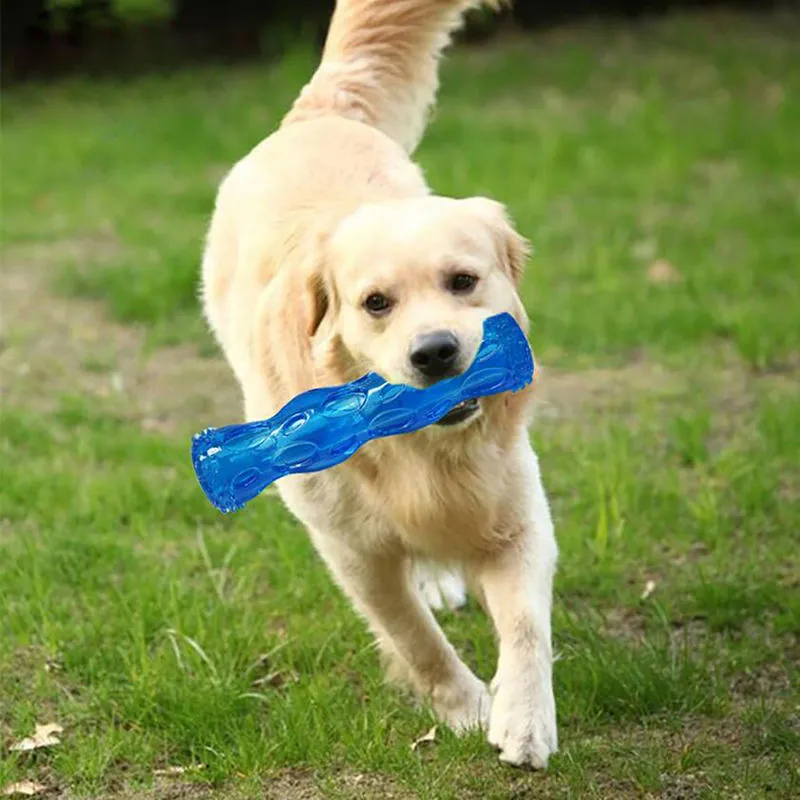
{"x":172,"y":772}
{"x":169,"y":771}
{"x":649,"y":588}
{"x":23,"y":789}
{"x":43,"y":737}
{"x":430,"y":736}
{"x":662,"y":271}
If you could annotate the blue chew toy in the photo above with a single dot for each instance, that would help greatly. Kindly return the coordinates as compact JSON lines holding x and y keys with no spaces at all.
{"x":323,"y":427}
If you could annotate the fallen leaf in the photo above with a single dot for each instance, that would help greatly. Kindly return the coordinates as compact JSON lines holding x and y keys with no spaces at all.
{"x":649,"y":588}
{"x":171,"y":772}
{"x":430,"y":736}
{"x":24,"y":789}
{"x":662,"y":271}
{"x":43,"y":736}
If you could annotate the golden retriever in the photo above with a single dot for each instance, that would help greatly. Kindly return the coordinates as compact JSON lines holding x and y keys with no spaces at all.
{"x":327,"y":257}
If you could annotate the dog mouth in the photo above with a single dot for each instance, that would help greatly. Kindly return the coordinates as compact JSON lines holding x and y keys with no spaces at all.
{"x":460,"y":413}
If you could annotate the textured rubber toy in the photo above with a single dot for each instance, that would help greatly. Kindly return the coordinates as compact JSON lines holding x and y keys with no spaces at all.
{"x":323,"y":427}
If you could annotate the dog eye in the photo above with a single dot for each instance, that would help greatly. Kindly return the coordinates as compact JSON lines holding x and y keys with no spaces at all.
{"x":377,"y":303}
{"x":461,"y":283}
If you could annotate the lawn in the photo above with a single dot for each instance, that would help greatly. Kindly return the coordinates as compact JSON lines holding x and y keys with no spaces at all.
{"x":655,"y":167}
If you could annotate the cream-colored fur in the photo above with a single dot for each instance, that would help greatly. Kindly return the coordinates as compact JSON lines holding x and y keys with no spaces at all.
{"x":323,"y":213}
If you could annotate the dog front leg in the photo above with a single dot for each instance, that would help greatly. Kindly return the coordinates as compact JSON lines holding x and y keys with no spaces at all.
{"x":517,"y":587}
{"x":381,"y":587}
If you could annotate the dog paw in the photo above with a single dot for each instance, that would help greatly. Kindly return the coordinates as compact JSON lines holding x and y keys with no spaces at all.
{"x":463,"y":706}
{"x":523,"y":725}
{"x":440,"y":587}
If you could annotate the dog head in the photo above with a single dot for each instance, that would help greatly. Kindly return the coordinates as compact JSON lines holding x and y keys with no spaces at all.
{"x":405,"y":286}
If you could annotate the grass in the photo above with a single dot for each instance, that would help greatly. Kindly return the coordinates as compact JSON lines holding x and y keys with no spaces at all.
{"x":159,"y":633}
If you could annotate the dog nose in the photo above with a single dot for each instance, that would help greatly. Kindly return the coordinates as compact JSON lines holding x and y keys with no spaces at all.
{"x":435,"y":354}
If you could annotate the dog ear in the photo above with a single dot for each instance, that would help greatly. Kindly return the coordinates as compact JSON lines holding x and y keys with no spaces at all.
{"x":318,"y":297}
{"x":293,"y":309}
{"x":316,"y":300}
{"x":513,"y":249}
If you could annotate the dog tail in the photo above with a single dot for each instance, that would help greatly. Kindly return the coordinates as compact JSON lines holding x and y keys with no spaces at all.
{"x":380,"y":64}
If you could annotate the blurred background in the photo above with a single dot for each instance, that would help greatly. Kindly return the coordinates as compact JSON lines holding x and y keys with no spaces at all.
{"x":49,"y":36}
{"x":650,"y":151}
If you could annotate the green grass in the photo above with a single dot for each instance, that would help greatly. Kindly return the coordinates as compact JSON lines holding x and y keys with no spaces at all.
{"x":148,"y":625}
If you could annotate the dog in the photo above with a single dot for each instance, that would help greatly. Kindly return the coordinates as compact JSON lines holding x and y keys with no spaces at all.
{"x":327,"y":256}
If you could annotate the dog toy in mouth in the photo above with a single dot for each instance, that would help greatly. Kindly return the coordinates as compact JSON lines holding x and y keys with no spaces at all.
{"x":324,"y":427}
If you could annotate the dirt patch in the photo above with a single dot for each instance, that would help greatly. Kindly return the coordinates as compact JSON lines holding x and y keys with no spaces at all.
{"x":90,"y":248}
{"x":52,"y":346}
{"x":289,"y":784}
{"x":773,"y":679}
{"x":730,"y":392}
{"x":563,"y":394}
{"x":165,"y":789}
{"x":295,"y":784}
